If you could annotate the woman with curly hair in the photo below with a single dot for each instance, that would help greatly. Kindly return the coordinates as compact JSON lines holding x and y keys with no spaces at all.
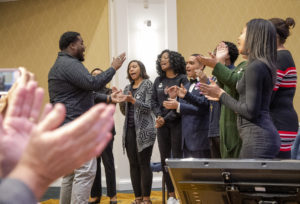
{"x":170,"y":66}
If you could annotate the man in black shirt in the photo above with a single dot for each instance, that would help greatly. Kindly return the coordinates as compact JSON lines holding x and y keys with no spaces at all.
{"x":70,"y":83}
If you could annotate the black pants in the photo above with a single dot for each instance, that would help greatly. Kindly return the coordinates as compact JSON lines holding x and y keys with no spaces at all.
{"x":139,"y":162}
{"x":214,"y":143}
{"x":169,"y":144}
{"x":110,"y":173}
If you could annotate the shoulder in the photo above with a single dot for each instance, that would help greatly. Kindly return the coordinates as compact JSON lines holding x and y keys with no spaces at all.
{"x":147,"y":82}
{"x":285,"y":60}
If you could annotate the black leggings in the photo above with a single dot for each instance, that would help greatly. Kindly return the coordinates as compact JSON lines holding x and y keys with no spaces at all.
{"x":110,"y":173}
{"x":169,"y":143}
{"x":140,"y":168}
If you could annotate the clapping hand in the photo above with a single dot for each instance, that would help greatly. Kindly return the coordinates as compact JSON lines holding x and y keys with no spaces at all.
{"x":211,"y":91}
{"x":170,"y":104}
{"x":172,"y":92}
{"x":222,"y":52}
{"x":208,"y":61}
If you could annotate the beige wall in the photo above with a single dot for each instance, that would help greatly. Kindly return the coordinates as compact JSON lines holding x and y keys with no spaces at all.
{"x":203,"y":23}
{"x":30,"y":31}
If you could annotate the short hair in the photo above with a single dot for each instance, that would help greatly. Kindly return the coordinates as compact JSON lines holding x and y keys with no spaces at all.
{"x":232,"y":51}
{"x":96,"y":69}
{"x":143,"y":72}
{"x":176,"y":61}
{"x":67,"y":38}
{"x":283,"y":27}
{"x":261,"y":44}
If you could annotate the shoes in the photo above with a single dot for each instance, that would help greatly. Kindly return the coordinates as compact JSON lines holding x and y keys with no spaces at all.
{"x":95,"y":202}
{"x":172,"y":200}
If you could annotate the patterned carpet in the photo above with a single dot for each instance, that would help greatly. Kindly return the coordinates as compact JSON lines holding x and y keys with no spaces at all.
{"x":123,"y":198}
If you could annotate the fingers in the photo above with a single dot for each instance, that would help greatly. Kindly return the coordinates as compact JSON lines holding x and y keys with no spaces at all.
{"x":114,"y":89}
{"x":129,"y":93}
{"x":47,"y":109}
{"x":29,"y":98}
{"x":53,"y":119}
{"x":16,"y":102}
{"x":37,"y":104}
{"x":98,"y":114}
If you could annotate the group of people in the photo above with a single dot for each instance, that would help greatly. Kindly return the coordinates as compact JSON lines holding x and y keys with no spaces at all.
{"x":243,"y":111}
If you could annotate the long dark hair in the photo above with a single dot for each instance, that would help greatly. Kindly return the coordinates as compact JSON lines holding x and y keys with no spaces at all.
{"x":143,"y":72}
{"x":283,"y":27}
{"x":176,"y":61}
{"x":261,"y":43}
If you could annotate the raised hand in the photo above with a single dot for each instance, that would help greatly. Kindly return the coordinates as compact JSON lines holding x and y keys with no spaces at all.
{"x":222,"y":52}
{"x":181,"y":91}
{"x":22,"y":113}
{"x":118,"y":61}
{"x":171,"y":104}
{"x":208,"y":61}
{"x":53,"y":152}
{"x":202,"y":75}
{"x":211,"y":91}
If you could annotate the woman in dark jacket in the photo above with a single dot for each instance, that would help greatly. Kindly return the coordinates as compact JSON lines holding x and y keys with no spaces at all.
{"x":259,"y":136}
{"x":170,"y":67}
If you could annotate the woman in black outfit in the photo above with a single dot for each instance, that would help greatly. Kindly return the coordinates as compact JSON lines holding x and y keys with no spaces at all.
{"x":282,"y":109}
{"x":170,"y":66}
{"x":139,"y":132}
{"x":258,"y":133}
{"x":103,"y":96}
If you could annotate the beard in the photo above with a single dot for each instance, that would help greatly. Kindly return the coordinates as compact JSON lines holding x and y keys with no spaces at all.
{"x":80,"y":56}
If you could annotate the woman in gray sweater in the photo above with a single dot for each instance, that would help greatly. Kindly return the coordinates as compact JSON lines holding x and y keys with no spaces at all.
{"x":139,"y":131}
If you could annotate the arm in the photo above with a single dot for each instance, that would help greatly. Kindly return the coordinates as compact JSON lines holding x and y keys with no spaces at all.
{"x":254,"y":77}
{"x":13,"y":191}
{"x":195,"y":100}
{"x":102,"y":98}
{"x":79,"y":76}
{"x":190,"y":109}
{"x":226,"y":76}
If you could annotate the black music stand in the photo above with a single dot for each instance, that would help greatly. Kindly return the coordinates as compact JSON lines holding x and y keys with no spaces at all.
{"x":220,"y":181}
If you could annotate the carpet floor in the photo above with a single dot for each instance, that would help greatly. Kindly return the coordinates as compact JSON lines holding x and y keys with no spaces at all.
{"x":123,"y":198}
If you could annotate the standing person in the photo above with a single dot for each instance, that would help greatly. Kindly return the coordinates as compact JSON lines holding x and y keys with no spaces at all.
{"x":195,"y":118}
{"x":227,"y":78}
{"x":282,"y":109}
{"x":71,"y":84}
{"x":107,"y":155}
{"x":170,"y":66}
{"x":259,"y":135}
{"x":139,"y":131}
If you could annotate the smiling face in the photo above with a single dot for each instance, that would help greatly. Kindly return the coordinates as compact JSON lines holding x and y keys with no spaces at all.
{"x":165,"y":61}
{"x":134,"y":71}
{"x":241,"y":41}
{"x":193,"y":66}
